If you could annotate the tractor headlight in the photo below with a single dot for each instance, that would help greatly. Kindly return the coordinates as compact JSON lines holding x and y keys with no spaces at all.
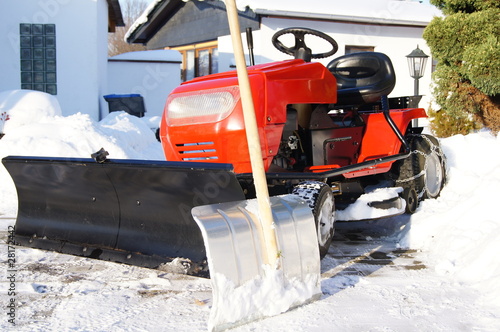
{"x":203,"y":106}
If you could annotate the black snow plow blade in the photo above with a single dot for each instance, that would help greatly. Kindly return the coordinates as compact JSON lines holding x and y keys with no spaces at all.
{"x":134,"y":212}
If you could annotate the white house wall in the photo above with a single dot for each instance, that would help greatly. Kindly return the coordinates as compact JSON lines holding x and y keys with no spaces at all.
{"x":395,"y":41}
{"x":101,"y":33}
{"x":81,"y":48}
{"x":152,"y":74}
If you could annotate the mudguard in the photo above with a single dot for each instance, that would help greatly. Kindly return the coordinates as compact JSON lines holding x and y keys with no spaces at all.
{"x":130,"y":211}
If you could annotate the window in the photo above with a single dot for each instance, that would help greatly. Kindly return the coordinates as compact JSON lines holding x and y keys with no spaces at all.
{"x":198,"y":59}
{"x":355,"y":49}
{"x":188,"y":65}
{"x":38,"y":57}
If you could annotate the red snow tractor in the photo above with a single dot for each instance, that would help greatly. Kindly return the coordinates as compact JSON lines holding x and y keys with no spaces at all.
{"x":328,"y":134}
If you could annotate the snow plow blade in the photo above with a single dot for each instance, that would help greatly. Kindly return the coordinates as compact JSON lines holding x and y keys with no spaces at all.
{"x":134,"y":212}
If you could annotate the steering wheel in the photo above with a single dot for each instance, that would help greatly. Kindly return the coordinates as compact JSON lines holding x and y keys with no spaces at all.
{"x":300,"y":50}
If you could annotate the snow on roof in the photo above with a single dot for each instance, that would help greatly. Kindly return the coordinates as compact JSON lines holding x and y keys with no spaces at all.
{"x":380,"y":11}
{"x":143,"y":19}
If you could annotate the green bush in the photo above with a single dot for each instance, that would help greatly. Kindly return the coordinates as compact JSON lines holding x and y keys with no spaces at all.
{"x":481,"y":66}
{"x":444,"y":125}
{"x":464,"y":6}
{"x":466,"y":44}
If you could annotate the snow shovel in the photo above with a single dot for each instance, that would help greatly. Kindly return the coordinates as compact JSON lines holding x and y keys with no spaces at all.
{"x":262,"y":254}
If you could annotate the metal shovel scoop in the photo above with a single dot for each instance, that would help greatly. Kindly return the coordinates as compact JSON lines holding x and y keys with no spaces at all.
{"x":244,"y":287}
{"x":262,"y":254}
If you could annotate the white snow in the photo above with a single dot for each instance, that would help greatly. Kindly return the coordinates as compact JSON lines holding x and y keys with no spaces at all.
{"x":25,"y":106}
{"x":460,"y":231}
{"x":36,"y":128}
{"x":453,"y":240}
{"x":360,"y":210}
{"x":142,"y":19}
{"x":381,"y":9}
{"x":252,"y":300}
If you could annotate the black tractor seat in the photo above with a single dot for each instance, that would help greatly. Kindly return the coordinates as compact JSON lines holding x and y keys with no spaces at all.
{"x":362,"y":77}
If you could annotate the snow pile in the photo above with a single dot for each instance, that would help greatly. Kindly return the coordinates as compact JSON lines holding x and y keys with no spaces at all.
{"x":25,"y":106}
{"x":263,"y":296}
{"x":460,"y":230}
{"x":360,"y":210}
{"x":36,"y":128}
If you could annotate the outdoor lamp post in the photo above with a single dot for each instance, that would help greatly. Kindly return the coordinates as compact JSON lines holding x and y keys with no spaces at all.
{"x":416,"y":64}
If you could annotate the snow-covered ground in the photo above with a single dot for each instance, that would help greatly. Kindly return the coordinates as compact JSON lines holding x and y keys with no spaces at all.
{"x":445,"y":276}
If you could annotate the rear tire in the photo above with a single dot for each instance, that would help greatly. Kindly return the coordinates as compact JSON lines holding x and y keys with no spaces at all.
{"x":424,"y":170}
{"x":320,"y":199}
{"x":435,"y":167}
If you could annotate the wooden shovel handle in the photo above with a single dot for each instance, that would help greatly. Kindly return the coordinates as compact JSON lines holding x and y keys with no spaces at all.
{"x":252,"y":132}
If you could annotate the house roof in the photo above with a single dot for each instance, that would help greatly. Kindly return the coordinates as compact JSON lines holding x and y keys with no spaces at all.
{"x":115,"y":18}
{"x":156,"y":14}
{"x":386,"y":12}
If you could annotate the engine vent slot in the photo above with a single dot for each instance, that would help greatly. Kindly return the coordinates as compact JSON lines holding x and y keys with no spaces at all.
{"x":197,"y":151}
